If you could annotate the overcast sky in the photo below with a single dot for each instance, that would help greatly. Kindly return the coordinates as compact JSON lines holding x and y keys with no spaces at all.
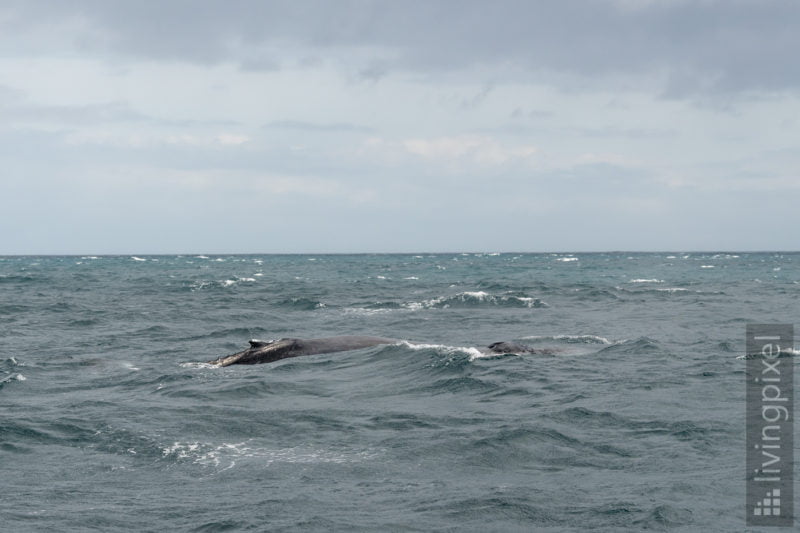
{"x":334,"y":126}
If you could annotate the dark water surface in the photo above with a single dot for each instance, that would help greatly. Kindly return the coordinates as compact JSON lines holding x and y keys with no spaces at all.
{"x":637,"y":423}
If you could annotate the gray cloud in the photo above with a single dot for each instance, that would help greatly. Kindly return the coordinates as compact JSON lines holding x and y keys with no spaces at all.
{"x":109,"y":112}
{"x":336,"y":127}
{"x":79,"y":114}
{"x":724,"y":46}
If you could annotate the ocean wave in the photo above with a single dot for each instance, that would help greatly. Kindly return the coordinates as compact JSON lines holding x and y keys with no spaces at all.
{"x":19,"y":278}
{"x":785,"y":352}
{"x":478,"y":299}
{"x":199,"y":285}
{"x":232,"y":333}
{"x":576,"y":339}
{"x":11,"y":377}
{"x":635,"y":346}
{"x":301,"y":304}
{"x":226,"y":455}
{"x":470,"y":351}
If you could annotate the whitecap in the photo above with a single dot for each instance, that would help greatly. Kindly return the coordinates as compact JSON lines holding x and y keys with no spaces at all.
{"x":566,"y":259}
{"x":471,"y":351}
{"x":362,"y":311}
{"x":642,"y":280}
{"x":596,"y":339}
{"x":137,"y":258}
{"x":480,"y":295}
{"x":197,"y":364}
{"x":788,"y":351}
{"x":225,"y":456}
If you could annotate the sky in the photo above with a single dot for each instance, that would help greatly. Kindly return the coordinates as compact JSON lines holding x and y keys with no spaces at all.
{"x":200,"y":126}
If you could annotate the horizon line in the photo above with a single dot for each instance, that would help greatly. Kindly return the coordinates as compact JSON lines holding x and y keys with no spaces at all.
{"x":556,"y":252}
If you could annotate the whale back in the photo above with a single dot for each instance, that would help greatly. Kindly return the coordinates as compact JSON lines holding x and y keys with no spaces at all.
{"x":261,"y":352}
{"x":269,"y":351}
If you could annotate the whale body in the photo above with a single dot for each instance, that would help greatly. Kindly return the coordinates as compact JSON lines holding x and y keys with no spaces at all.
{"x":269,"y":351}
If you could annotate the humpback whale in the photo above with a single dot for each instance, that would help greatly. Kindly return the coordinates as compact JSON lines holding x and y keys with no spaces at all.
{"x":269,"y":351}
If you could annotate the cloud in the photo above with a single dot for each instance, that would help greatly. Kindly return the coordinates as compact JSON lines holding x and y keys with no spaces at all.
{"x":715,"y":46}
{"x":457,"y":152}
{"x":333,"y":127}
{"x":412,"y":116}
{"x":72,"y":114}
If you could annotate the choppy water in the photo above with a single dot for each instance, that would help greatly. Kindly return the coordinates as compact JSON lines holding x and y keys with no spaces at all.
{"x":636,"y":424}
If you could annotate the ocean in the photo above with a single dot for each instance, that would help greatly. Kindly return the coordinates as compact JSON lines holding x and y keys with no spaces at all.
{"x":636,"y":422}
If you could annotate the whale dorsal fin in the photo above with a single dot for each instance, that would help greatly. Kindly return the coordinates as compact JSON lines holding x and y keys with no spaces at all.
{"x":255,"y":343}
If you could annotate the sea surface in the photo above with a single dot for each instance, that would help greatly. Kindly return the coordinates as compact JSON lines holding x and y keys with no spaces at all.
{"x":108,"y":422}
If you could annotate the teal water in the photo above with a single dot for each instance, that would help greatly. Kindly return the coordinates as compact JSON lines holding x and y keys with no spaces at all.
{"x":106,"y":424}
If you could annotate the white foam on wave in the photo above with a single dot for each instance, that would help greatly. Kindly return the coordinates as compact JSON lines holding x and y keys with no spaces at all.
{"x":445,"y":302}
{"x":566,"y":259}
{"x":596,"y":339}
{"x":197,"y":364}
{"x":133,"y":257}
{"x":13,"y":377}
{"x":480,"y":295}
{"x":788,"y":351}
{"x":673,"y":289}
{"x":471,"y":351}
{"x":363,"y":311}
{"x":706,"y":266}
{"x":232,"y":282}
{"x":643,"y":280}
{"x":225,"y":456}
